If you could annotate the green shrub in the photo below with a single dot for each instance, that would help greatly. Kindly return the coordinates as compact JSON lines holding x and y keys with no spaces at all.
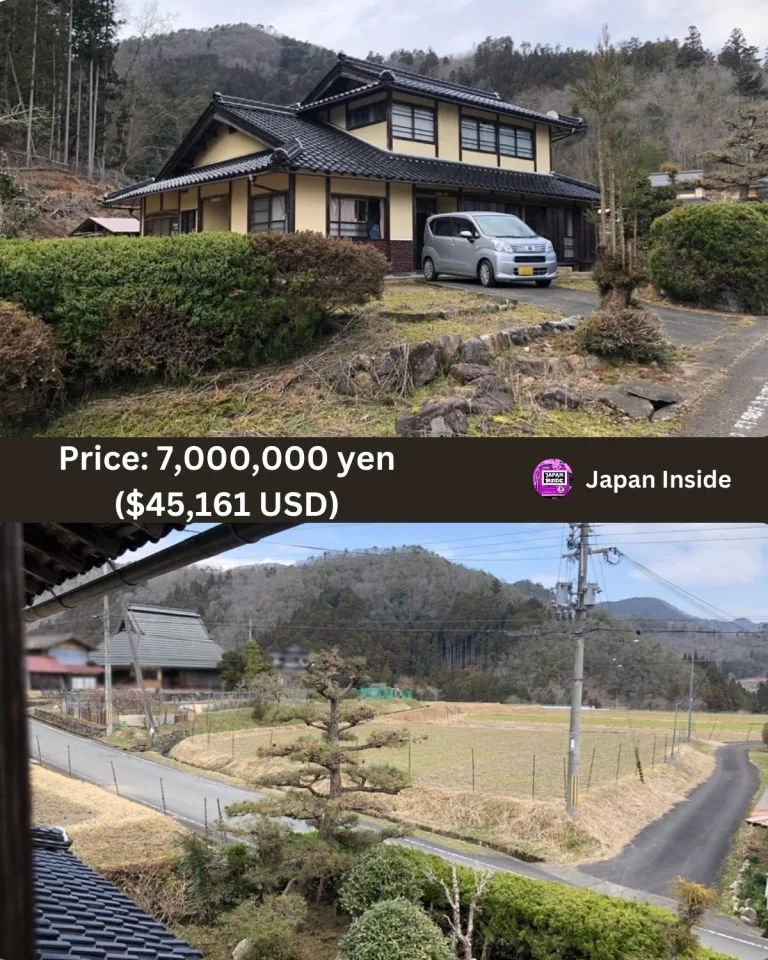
{"x":713,"y":255}
{"x":394,"y":930}
{"x":29,"y":363}
{"x":528,"y":919}
{"x":270,"y":926}
{"x":172,"y":305}
{"x":625,"y":333}
{"x":384,"y":873}
{"x":337,"y":274}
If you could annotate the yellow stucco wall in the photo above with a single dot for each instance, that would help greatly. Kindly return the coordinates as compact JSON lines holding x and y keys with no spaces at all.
{"x":480,"y":114}
{"x":410,"y":98}
{"x":352,"y":187}
{"x":310,"y":203}
{"x":339,"y":116}
{"x":448,"y":131}
{"x":215,"y":189}
{"x":518,"y":163}
{"x":240,"y":205}
{"x":152,"y":204}
{"x":189,"y":198}
{"x":376,"y":134}
{"x":216,"y":215}
{"x":170,"y":200}
{"x":401,"y":211}
{"x":543,"y":155}
{"x":480,"y":158}
{"x":226,"y":145}
{"x":272,"y":181}
{"x":415,"y":147}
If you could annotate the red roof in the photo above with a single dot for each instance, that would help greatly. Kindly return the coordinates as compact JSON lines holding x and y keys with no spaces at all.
{"x":49,"y":665}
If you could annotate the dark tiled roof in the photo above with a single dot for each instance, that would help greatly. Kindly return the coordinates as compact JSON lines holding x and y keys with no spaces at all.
{"x":385,"y":76}
{"x":318,"y":147}
{"x":79,"y":914}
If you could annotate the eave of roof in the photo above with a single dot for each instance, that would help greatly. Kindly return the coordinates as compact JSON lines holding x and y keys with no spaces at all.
{"x":40,"y":664}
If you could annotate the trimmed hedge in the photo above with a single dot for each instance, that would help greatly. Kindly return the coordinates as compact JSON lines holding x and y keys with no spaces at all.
{"x":384,"y":873}
{"x":394,"y":930}
{"x":528,"y":919}
{"x":713,"y":255}
{"x":175,"y":304}
{"x":30,"y":363}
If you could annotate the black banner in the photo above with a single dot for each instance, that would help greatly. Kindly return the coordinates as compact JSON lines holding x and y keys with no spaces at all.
{"x":482,"y":480}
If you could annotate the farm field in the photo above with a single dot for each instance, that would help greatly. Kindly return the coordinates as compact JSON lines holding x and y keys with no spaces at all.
{"x":500,"y":781}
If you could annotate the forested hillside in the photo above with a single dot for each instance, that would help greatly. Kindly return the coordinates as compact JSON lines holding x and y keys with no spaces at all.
{"x":451,"y":631}
{"x":69,"y":93}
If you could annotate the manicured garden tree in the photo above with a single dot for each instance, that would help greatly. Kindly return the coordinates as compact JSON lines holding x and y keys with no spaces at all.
{"x":397,"y":930}
{"x":384,"y":873}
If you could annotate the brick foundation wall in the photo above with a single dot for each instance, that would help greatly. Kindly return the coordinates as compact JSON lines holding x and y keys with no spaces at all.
{"x":399,"y":253}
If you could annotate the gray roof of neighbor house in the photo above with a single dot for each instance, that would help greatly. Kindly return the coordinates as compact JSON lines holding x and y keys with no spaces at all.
{"x":44,"y":641}
{"x":684,"y":176}
{"x":79,"y":914}
{"x":165,"y":637}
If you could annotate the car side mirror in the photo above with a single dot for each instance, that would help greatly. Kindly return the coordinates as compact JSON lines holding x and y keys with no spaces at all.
{"x":467,"y":234}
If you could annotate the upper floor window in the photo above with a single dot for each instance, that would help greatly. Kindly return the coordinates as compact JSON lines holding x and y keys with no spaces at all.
{"x":515,"y":142}
{"x":366,"y":115}
{"x":413,"y":123}
{"x":478,"y":135}
{"x":488,"y":137}
{"x":268,"y":213}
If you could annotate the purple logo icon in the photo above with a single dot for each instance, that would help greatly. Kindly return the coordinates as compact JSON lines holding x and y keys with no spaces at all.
{"x":552,"y":478}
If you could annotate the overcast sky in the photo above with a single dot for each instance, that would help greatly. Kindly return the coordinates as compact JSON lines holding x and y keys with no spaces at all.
{"x":454,"y":26}
{"x":724,"y":565}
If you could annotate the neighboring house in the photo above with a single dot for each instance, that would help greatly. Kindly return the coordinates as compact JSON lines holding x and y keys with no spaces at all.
{"x":369,"y":154}
{"x":691,"y":190}
{"x":174,"y":649}
{"x":80,"y":914}
{"x":108,"y":227}
{"x":289,"y":663}
{"x":59,"y":662}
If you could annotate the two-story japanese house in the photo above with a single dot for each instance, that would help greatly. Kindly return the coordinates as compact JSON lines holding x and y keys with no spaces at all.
{"x":369,"y":154}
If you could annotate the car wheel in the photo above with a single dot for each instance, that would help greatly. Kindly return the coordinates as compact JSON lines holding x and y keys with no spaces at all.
{"x":485,"y":274}
{"x":430,"y":273}
{"x":543,"y":283}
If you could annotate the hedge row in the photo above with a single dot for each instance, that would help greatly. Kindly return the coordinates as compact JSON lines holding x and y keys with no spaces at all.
{"x":176,"y":305}
{"x":520,"y":918}
{"x":713,"y":255}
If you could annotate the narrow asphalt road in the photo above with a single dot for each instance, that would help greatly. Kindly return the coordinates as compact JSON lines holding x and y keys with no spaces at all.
{"x":190,"y":798}
{"x":684,"y":327}
{"x":683,"y":842}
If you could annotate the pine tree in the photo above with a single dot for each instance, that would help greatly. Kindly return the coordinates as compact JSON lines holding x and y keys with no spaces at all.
{"x":692,"y":52}
{"x":255,"y":661}
{"x":736,"y":51}
{"x":744,"y":157}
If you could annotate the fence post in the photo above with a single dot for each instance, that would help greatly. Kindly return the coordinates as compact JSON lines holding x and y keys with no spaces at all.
{"x":749,"y":732}
{"x":665,"y":747}
{"x":410,"y":762}
{"x":618,"y":761}
{"x":591,"y":765}
{"x":162,"y":794}
{"x":69,"y":760}
{"x":638,"y":764}
{"x":221,"y":819}
{"x":533,"y":779}
{"x":712,"y":731}
{"x":114,"y":777}
{"x":39,"y":751}
{"x":205,"y":814}
{"x":194,"y":714}
{"x":653,"y":755}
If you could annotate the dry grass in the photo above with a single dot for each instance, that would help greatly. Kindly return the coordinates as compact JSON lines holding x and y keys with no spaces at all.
{"x":108,"y":832}
{"x":609,"y":817}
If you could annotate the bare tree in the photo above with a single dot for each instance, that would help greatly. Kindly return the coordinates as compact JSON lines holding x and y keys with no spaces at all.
{"x":462,"y":931}
{"x":31,"y":107}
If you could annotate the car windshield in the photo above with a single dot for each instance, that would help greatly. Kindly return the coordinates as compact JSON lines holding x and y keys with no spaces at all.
{"x":503,"y":225}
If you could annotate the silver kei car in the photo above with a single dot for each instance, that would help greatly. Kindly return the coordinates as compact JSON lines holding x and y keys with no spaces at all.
{"x":488,"y":246}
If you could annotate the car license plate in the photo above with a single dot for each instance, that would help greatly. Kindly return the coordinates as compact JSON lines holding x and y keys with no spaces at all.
{"x":525,"y":271}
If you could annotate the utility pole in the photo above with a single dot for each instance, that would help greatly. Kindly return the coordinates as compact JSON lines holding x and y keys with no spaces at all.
{"x":574,"y":736}
{"x":107,"y":670}
{"x":690,"y":701}
{"x":578,"y":544}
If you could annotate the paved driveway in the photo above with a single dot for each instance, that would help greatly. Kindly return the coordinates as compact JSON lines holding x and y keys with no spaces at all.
{"x":683,"y":327}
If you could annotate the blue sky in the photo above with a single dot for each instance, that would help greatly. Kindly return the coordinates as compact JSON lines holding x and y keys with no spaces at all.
{"x":723,"y":565}
{"x":455,"y":26}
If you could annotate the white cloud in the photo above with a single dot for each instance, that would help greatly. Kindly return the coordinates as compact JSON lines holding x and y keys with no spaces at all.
{"x":230,"y":563}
